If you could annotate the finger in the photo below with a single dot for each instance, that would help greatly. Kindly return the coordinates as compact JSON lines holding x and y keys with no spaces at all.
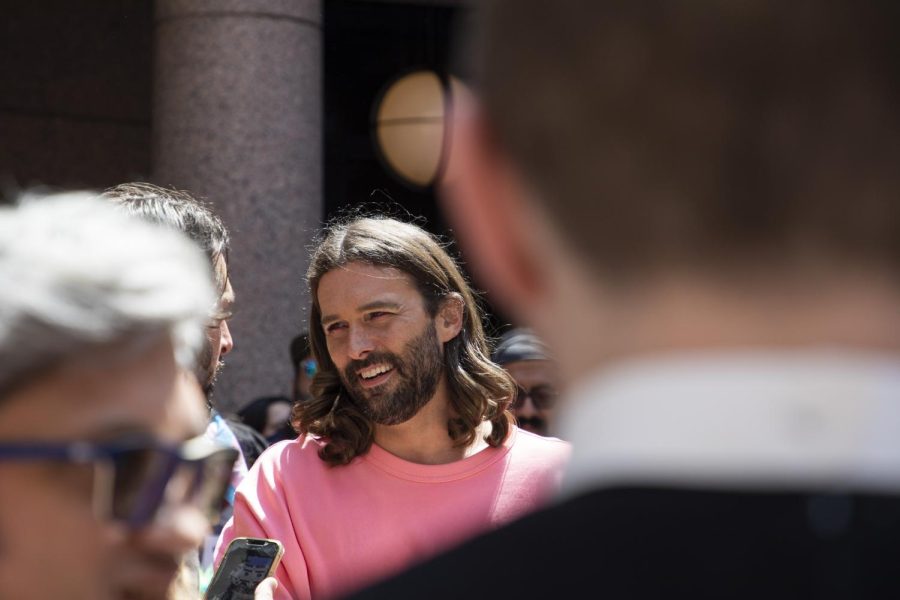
{"x":266,"y":589}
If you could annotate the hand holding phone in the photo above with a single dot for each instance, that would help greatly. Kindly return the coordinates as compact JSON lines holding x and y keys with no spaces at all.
{"x":246,"y":562}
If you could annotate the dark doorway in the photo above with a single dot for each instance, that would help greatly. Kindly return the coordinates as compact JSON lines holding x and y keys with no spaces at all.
{"x":366,"y":46}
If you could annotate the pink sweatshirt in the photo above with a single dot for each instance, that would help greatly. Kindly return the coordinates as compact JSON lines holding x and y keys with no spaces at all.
{"x":345,"y":527}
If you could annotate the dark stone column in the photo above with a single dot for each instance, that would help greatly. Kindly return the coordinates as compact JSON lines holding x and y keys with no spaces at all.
{"x":237,"y":121}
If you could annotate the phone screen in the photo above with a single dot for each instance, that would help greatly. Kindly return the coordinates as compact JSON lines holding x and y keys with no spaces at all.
{"x":246,"y":563}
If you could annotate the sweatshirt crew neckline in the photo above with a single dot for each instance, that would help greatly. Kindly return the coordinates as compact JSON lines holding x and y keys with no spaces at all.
{"x":459,"y":469}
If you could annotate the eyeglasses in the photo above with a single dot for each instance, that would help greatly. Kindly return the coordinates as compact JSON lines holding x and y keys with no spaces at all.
{"x":134,"y":479}
{"x":309,"y":366}
{"x":542,"y":396}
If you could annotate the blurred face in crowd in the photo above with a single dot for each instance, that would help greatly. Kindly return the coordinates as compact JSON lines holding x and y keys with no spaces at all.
{"x":385,"y":345}
{"x":218,"y":335}
{"x":306,"y":370}
{"x":277,"y":414}
{"x":536,"y":396}
{"x":54,"y":543}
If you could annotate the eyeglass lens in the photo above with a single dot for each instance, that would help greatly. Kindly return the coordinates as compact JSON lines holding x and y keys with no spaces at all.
{"x":139,"y":481}
{"x":146,"y":479}
{"x":542,"y":396}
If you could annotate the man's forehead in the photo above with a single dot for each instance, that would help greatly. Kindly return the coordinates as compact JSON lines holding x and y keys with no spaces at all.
{"x":361,"y":279}
{"x":359,"y":286}
{"x":532,"y":370}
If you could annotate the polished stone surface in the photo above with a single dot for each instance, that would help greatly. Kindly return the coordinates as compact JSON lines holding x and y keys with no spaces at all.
{"x":237,"y":121}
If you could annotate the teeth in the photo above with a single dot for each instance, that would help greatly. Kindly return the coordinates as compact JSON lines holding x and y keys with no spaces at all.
{"x":374,"y":371}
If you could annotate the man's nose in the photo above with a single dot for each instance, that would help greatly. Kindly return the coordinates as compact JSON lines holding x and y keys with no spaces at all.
{"x":360,"y":343}
{"x":226,"y":343}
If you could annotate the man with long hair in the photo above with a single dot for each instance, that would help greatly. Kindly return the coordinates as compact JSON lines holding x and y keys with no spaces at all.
{"x":406,"y":447}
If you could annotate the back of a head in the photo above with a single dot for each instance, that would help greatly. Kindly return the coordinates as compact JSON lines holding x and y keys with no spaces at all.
{"x":706,"y":135}
{"x":176,"y":209}
{"x":77,"y":275}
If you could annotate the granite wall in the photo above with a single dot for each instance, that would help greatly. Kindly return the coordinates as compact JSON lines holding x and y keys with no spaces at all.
{"x":237,"y":120}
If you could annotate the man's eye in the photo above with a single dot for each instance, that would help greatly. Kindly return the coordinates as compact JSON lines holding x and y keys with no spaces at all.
{"x":335,"y":327}
{"x":222,"y":313}
{"x":378,"y":314}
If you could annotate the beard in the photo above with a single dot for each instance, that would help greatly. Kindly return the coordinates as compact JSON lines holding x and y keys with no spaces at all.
{"x":415,"y":380}
{"x":208,"y":371}
{"x":212,"y":376}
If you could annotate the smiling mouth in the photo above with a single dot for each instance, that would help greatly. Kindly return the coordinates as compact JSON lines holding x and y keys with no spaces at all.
{"x":374,"y":371}
{"x":375,"y":374}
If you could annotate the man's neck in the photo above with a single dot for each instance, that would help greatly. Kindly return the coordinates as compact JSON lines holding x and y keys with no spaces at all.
{"x":856,"y":313}
{"x":424,"y":439}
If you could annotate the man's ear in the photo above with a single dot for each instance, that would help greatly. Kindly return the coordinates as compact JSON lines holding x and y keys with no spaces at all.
{"x":449,"y":318}
{"x":484,"y":199}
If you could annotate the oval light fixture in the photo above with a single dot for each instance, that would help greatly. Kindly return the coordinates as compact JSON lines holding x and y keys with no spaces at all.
{"x":410,"y":126}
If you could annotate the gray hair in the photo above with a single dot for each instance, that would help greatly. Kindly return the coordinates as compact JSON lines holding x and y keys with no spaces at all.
{"x":77,"y":274}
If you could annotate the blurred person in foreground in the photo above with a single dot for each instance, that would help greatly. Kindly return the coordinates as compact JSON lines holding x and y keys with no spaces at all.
{"x":696,"y":205}
{"x":406,"y":447}
{"x":527,"y":359}
{"x":106,"y":477}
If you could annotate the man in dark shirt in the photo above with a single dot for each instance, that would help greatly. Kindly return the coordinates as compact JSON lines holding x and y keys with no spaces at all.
{"x":696,"y":205}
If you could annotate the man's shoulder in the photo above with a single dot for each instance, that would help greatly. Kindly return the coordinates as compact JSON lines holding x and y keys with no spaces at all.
{"x":526,"y":443}
{"x":301,"y":453}
{"x":219,"y":430}
{"x":526,"y":437}
{"x":252,"y":443}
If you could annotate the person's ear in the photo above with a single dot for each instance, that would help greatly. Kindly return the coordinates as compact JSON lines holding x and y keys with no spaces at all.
{"x":485,"y":201}
{"x":449,"y":319}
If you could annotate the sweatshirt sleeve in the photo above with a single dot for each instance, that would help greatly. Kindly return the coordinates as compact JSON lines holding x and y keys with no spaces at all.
{"x":260,"y":511}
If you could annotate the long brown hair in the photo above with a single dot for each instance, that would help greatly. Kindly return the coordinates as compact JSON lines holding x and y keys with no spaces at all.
{"x":480,"y":390}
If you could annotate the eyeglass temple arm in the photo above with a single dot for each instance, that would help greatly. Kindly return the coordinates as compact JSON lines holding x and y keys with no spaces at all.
{"x":75,"y":451}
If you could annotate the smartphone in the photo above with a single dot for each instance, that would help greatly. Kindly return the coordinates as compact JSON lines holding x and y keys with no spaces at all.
{"x":246,"y":562}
